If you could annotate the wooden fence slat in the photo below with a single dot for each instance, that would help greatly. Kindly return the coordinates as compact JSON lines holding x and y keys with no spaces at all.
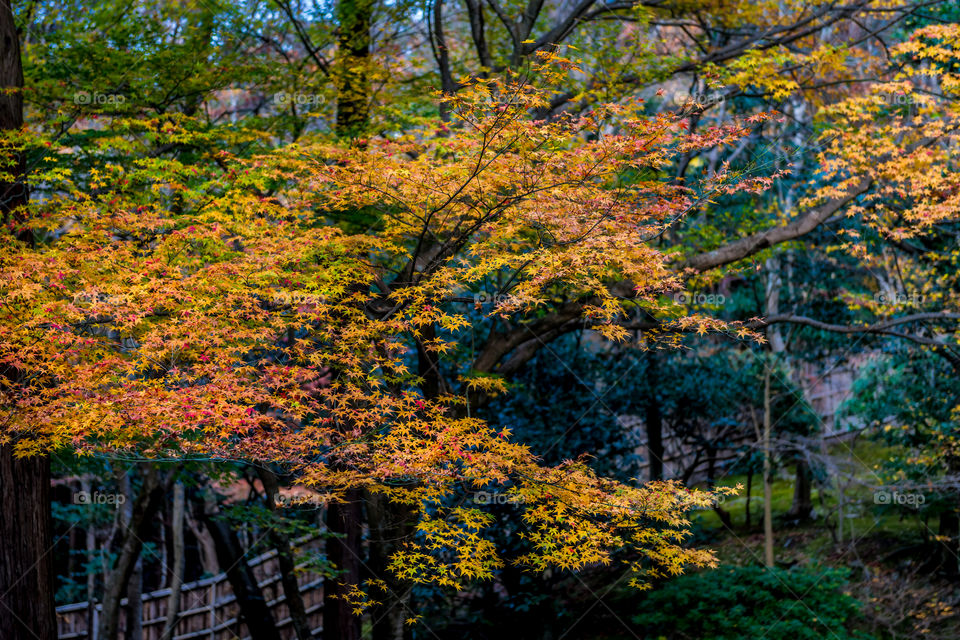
{"x":210,"y":598}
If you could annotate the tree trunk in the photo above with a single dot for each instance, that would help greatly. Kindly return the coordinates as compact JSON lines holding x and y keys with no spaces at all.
{"x":353,"y":58}
{"x":802,"y":505}
{"x":344,"y":520}
{"x":176,"y":580}
{"x":205,"y":546}
{"x":653,"y":420}
{"x":767,"y":480}
{"x":137,"y":527}
{"x":26,"y":530}
{"x":287,"y":563}
{"x":746,"y":510}
{"x":253,"y":606}
{"x":26,"y":558}
{"x":950,"y":542}
{"x":134,"y":626}
{"x":390,"y":524}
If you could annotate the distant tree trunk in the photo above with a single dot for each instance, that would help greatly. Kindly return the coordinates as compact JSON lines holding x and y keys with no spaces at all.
{"x":722,"y":513}
{"x":802,"y":505}
{"x":344,"y":520}
{"x":390,"y":524}
{"x":286,"y":561}
{"x":91,"y":548}
{"x":442,"y":56}
{"x":352,"y":73}
{"x":653,"y":419}
{"x":777,"y":346}
{"x":767,"y":470}
{"x":205,"y":546}
{"x":134,"y":626}
{"x":137,"y":527}
{"x":26,"y":530}
{"x":950,"y":542}
{"x":176,"y":580}
{"x":253,"y":606}
{"x":133,"y":629}
{"x":746,"y":514}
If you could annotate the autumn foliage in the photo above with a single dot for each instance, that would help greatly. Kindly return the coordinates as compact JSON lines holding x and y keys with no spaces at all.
{"x":223,"y":309}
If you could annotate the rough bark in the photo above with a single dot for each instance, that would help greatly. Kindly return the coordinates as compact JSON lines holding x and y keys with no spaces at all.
{"x":286,"y":560}
{"x":253,"y":606}
{"x":136,"y":529}
{"x":178,"y":565}
{"x":26,"y":530}
{"x":802,"y":505}
{"x":390,"y":524}
{"x":353,"y":56}
{"x":768,"y":557}
{"x":134,"y":612}
{"x":949,"y":545}
{"x":344,"y":520}
{"x":26,"y":567}
{"x":654,"y":420}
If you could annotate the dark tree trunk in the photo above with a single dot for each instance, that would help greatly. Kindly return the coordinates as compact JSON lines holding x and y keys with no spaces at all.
{"x":26,"y":530}
{"x":802,"y":505}
{"x":950,"y":543}
{"x":390,"y":524}
{"x":654,"y":420}
{"x":344,"y":520}
{"x":353,"y":56}
{"x":134,"y":626}
{"x":13,"y":195}
{"x":26,"y":561}
{"x":746,"y":515}
{"x":178,"y":564}
{"x":138,"y":527}
{"x":285,"y":558}
{"x":253,"y":606}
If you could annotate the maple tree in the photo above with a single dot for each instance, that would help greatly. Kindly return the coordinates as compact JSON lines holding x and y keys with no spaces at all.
{"x":183,"y":286}
{"x":207,"y":310}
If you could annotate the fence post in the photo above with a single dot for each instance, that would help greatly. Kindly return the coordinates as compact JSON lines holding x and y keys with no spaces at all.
{"x":92,"y":633}
{"x":213,"y":610}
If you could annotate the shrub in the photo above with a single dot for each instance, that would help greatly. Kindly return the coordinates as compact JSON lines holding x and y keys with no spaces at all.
{"x":733,"y":603}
